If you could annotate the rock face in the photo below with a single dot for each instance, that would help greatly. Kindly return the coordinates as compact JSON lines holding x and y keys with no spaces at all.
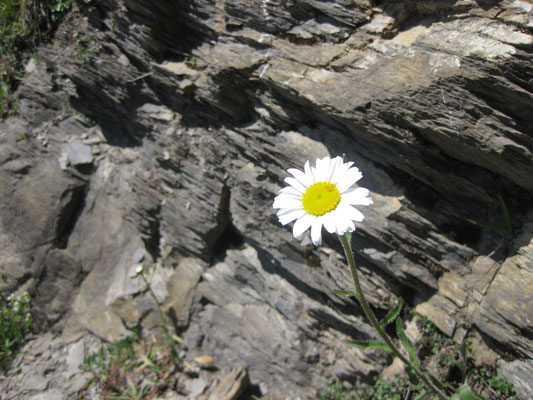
{"x":191,"y":111}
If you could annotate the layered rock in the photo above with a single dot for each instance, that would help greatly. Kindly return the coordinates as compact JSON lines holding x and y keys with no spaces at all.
{"x":200,"y":107}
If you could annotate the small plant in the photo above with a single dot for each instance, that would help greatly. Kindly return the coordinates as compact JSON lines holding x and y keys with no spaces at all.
{"x":502,"y":387}
{"x":433,"y":337}
{"x":397,"y":388}
{"x":25,"y":135}
{"x":23,"y":25}
{"x":128,"y":369}
{"x":87,"y":47}
{"x":496,"y":386}
{"x":15,"y":321}
{"x":334,"y":391}
{"x":394,"y":389}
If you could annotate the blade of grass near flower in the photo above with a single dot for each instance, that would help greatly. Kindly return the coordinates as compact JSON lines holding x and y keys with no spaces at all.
{"x":488,"y":225}
{"x":462,"y":364}
{"x":506,"y":214}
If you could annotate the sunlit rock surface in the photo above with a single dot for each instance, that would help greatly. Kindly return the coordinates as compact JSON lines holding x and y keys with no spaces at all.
{"x":194,"y":110}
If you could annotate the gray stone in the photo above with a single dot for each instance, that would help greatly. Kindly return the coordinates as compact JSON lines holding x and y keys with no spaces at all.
{"x":79,"y":153}
{"x":181,"y":286}
{"x":519,"y":373}
{"x":53,"y":394}
{"x":76,"y":354}
{"x":35,"y":382}
{"x":138,"y":255}
{"x":502,"y":308}
{"x":231,"y":386}
{"x":196,"y":387}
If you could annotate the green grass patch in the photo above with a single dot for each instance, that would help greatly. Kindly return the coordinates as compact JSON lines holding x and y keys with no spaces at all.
{"x":15,"y":321}
{"x":24,"y":24}
{"x":130,"y":368}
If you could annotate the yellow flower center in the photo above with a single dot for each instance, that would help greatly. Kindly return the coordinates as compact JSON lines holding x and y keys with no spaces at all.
{"x":321,"y":198}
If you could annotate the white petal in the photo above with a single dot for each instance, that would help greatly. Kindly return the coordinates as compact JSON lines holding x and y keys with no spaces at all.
{"x":316,"y":232}
{"x":340,"y":171}
{"x":322,"y":168}
{"x":290,"y":216}
{"x":301,"y":177}
{"x":341,"y":223}
{"x":284,"y":211}
{"x":329,"y":222}
{"x":290,"y":191}
{"x":333,"y":166}
{"x":350,"y":212}
{"x":287,"y":202}
{"x":309,"y":171}
{"x":356,"y":196}
{"x":348,"y":179}
{"x":295,"y":184}
{"x":351,"y":228}
{"x":303,"y":224}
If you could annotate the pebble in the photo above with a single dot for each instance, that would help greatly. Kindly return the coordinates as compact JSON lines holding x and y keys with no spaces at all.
{"x":79,"y":153}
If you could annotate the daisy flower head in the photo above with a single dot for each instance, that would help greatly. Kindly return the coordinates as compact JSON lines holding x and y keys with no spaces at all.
{"x":322,"y":196}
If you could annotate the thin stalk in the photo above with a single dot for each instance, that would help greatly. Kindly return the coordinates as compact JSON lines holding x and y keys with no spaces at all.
{"x":161,"y":315}
{"x":377,"y":326}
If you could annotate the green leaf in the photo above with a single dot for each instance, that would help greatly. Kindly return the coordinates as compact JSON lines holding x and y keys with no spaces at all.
{"x":488,"y":225}
{"x":407,"y":344}
{"x":177,"y":338}
{"x":118,"y":397}
{"x":413,"y":379}
{"x":506,"y":214}
{"x":392,"y":314}
{"x":464,"y":354}
{"x":423,"y":395}
{"x":4,"y":89}
{"x":455,"y":397}
{"x":132,"y":390}
{"x":346,"y":293}
{"x":467,"y":394}
{"x":369,"y":344}
{"x":435,"y":381}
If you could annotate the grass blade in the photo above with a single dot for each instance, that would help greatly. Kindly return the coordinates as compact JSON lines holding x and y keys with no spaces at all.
{"x":506,"y":215}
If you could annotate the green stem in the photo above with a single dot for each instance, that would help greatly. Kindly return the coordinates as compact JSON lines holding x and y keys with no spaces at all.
{"x":161,"y":314}
{"x":422,"y":375}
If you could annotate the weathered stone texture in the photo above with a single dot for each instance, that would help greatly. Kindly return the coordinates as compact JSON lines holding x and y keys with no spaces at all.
{"x":200,"y":106}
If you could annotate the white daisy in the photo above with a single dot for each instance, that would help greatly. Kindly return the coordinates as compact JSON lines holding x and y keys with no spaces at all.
{"x":322,"y":196}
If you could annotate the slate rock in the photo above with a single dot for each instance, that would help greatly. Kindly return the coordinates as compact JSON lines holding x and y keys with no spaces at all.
{"x":79,"y":153}
{"x":231,"y":386}
{"x":502,"y":308}
{"x":519,"y":374}
{"x":432,"y":100}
